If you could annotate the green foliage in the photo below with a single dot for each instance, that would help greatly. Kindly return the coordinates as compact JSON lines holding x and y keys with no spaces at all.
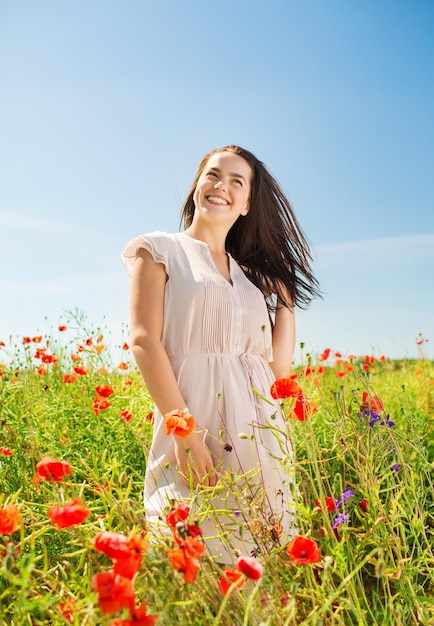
{"x":376,"y":566}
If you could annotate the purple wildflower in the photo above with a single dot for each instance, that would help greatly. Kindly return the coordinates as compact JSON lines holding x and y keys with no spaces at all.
{"x":348,"y":493}
{"x":387,"y":422}
{"x":340,"y":519}
{"x":396,"y":467}
{"x":373,"y":416}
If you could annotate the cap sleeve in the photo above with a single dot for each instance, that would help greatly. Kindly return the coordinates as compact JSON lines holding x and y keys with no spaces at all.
{"x":156,"y":243}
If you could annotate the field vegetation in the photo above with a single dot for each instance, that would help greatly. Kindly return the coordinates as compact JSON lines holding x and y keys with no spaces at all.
{"x":75,"y":427}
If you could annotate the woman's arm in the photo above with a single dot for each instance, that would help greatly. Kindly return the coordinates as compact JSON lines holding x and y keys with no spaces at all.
{"x":148,"y":283}
{"x":283,"y":340}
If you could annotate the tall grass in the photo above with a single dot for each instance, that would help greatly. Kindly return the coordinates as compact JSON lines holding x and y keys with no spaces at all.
{"x":376,"y":545}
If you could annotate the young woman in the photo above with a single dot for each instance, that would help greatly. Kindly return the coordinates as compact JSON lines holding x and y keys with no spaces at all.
{"x":212,"y":326}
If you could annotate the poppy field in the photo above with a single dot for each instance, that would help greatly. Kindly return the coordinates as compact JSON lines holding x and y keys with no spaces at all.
{"x":75,"y":426}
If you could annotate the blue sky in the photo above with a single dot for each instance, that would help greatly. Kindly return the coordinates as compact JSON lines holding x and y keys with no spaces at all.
{"x":106,"y":109}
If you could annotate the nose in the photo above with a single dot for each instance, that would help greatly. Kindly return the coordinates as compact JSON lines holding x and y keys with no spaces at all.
{"x":219,"y":184}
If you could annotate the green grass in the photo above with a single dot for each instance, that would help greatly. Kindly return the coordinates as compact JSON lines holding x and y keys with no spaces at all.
{"x":376,"y":567}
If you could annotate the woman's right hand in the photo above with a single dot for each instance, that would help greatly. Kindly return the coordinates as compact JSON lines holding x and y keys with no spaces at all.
{"x":194,"y":460}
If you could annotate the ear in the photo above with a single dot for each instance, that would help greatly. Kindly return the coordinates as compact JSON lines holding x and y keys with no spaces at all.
{"x":246,"y":209}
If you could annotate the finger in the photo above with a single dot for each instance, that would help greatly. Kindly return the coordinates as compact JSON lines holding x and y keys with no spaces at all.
{"x":196,"y":472}
{"x":211,"y":478}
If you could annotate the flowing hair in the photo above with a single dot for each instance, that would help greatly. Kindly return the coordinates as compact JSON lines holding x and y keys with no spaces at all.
{"x":268,"y":242}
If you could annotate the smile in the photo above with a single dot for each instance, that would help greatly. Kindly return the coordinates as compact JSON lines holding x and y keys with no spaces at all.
{"x":216,"y":200}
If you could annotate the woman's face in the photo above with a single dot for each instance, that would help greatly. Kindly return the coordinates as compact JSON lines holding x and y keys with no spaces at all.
{"x":223,"y":190}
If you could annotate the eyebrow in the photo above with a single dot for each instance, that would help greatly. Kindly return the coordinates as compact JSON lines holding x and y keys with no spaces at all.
{"x":217,"y":169}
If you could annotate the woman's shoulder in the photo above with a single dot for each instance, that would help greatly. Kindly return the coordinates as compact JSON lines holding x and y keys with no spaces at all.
{"x":160,"y":244}
{"x":155,"y":239}
{"x":157,"y":235}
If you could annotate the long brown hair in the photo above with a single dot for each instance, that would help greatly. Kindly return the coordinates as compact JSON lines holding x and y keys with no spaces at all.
{"x":268,"y":242}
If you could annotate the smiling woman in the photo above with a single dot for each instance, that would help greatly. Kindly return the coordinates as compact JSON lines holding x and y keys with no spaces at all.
{"x":203,"y":338}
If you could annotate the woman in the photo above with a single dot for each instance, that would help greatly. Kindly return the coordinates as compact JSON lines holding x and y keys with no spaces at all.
{"x":212,"y":325}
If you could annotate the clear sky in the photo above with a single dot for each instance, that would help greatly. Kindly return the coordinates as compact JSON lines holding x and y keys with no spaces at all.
{"x":107,"y":107}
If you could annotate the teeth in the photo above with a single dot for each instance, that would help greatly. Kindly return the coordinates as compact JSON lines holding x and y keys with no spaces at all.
{"x":216,"y":199}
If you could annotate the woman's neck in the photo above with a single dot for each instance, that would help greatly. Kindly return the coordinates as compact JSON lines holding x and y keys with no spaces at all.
{"x":215,"y":239}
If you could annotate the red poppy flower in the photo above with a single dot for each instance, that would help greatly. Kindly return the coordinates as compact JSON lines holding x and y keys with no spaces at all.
{"x":125,"y":414}
{"x":99,"y":348}
{"x":113,"y":545}
{"x":76,"y":358}
{"x":119,"y":548}
{"x":179,"y":423}
{"x":48,"y":358}
{"x":39,"y":352}
{"x":105,"y":391}
{"x":363,"y":504}
{"x":6,"y":451}
{"x":150,"y":417}
{"x":50,"y":468}
{"x":62,"y":328}
{"x":72,"y":513}
{"x":369,"y":359}
{"x":42,"y":370}
{"x":115,"y":592}
{"x":70,"y":378}
{"x":66,"y":608}
{"x":140,"y":616}
{"x":231,"y":578}
{"x":178,"y":514}
{"x":193,"y":547}
{"x":194,"y":530}
{"x":285,"y":388}
{"x":125,"y":346}
{"x":302,"y":550}
{"x":27,"y":340}
{"x":340,"y":374}
{"x":250,"y":567}
{"x":100,"y":404}
{"x":181,"y":561}
{"x":123,"y":366}
{"x":9,"y":519}
{"x":325,"y":354}
{"x":329,"y":502}
{"x":304,"y":408}
{"x":80,"y":370}
{"x":129,"y":566}
{"x":370,"y":403}
{"x":366,"y":367}
{"x":37,"y":339}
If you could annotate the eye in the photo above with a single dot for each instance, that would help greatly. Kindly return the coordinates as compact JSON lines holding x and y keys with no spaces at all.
{"x":212,"y":174}
{"x":238,"y":181}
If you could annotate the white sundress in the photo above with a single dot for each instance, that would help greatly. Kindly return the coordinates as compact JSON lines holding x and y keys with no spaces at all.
{"x":217,"y":335}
